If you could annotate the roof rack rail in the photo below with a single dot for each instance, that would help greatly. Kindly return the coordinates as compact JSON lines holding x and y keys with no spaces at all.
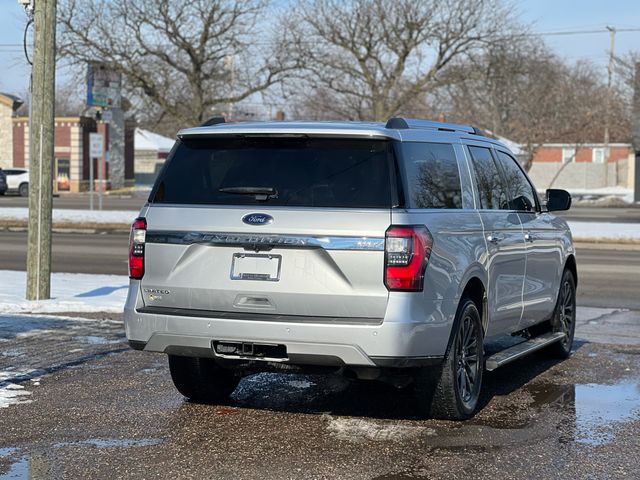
{"x":409,"y":123}
{"x":213,"y":121}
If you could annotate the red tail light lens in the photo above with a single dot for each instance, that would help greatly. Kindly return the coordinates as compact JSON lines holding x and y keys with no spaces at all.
{"x":136,"y":248}
{"x":407,"y":251}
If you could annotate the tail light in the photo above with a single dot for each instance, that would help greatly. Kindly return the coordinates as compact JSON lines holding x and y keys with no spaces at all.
{"x":407,"y":251}
{"x":136,"y":248}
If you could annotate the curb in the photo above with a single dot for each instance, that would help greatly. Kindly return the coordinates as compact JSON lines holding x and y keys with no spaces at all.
{"x":67,"y":227}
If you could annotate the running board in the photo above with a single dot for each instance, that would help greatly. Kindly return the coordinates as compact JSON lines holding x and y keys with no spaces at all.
{"x":520,"y":350}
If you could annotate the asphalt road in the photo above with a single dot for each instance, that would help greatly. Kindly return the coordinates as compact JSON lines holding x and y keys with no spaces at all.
{"x":72,"y":252}
{"x":89,"y":407}
{"x":81,"y":201}
{"x":607,"y":278}
{"x":135,"y":202}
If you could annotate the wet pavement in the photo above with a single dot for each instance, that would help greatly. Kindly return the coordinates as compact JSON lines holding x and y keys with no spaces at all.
{"x":79,"y":404}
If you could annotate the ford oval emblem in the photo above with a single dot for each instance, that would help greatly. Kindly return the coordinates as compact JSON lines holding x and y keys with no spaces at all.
{"x":257,"y":219}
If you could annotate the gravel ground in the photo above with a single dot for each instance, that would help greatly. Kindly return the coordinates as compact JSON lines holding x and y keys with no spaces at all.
{"x":92,"y":408}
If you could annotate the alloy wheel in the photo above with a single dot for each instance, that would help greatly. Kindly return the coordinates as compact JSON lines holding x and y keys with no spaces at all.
{"x":467,"y":365}
{"x":566,"y":312}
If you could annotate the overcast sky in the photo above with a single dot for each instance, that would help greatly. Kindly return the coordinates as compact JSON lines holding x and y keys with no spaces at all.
{"x":545,"y":15}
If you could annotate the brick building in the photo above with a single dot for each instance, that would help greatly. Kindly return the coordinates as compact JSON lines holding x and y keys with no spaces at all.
{"x":583,"y":166}
{"x":71,"y":152}
{"x":8,"y":105}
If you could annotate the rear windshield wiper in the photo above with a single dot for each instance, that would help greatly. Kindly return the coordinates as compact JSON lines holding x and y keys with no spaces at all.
{"x":261,"y":193}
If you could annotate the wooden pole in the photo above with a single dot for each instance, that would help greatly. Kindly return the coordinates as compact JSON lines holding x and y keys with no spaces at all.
{"x":41,"y":152}
{"x":636,"y":131}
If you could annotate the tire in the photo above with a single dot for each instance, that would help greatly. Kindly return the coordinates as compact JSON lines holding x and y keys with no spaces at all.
{"x":201,"y":380}
{"x":564,"y":316}
{"x":23,"y":190}
{"x":452,"y":392}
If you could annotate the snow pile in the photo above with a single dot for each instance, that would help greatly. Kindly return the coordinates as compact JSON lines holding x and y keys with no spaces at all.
{"x":601,"y":194}
{"x":70,"y":292}
{"x":603,"y":231}
{"x":74,"y":216}
{"x":11,"y":393}
{"x":361,"y":429}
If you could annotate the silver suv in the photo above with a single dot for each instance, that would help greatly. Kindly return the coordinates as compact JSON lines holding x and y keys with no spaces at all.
{"x":414,"y":252}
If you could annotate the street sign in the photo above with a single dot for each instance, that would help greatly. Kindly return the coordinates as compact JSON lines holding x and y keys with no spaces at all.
{"x":103,"y":86}
{"x":107,"y":116}
{"x":95,"y":145}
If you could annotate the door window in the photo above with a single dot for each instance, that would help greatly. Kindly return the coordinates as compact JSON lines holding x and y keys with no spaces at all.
{"x":490,"y":185}
{"x":522,"y":196}
{"x":433,"y":179}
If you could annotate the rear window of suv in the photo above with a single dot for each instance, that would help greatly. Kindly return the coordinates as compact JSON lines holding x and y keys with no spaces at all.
{"x":302,"y":172}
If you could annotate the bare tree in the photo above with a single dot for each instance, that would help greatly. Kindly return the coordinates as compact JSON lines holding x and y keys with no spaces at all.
{"x":371,"y":59}
{"x":179,"y":60}
{"x":522,"y":91}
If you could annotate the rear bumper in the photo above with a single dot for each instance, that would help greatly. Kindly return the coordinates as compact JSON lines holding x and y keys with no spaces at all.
{"x":408,"y":336}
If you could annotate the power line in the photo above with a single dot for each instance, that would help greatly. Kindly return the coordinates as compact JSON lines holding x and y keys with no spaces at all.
{"x":582,"y":32}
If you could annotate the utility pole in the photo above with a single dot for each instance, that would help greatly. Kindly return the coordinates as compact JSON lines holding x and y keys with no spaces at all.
{"x":607,"y":120}
{"x":636,"y":131}
{"x":41,"y":151}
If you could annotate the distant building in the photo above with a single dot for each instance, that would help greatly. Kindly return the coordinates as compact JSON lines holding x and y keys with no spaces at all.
{"x":71,"y":152}
{"x":8,"y":105}
{"x":151,"y":150}
{"x":583,"y":165}
{"x":71,"y":147}
{"x":577,"y":166}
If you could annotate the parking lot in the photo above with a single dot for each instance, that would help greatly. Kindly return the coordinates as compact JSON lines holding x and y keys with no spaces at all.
{"x":86,"y":406}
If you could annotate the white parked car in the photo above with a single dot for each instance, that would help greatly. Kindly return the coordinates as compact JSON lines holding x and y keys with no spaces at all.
{"x":17,"y":180}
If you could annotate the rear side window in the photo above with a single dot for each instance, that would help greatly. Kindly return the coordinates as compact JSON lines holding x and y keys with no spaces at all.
{"x":432,"y":176}
{"x":300,"y":172}
{"x":522,"y":196}
{"x":490,"y":185}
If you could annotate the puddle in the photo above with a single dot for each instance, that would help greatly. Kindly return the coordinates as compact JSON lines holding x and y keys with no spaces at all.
{"x":17,"y":470}
{"x":595,"y":410}
{"x":112,"y":442}
{"x":600,"y":407}
{"x":4,"y":452}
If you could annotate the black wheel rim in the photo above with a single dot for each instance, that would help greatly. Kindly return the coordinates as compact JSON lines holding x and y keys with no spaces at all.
{"x":467,"y":361}
{"x":566,"y":313}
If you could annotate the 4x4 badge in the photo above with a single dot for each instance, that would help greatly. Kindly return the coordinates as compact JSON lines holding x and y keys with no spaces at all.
{"x":257,"y":219}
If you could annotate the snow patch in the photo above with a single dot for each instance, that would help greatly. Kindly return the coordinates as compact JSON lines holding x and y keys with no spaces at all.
{"x":360,"y":429}
{"x":622,"y":192}
{"x":74,"y":215}
{"x":605,"y":231}
{"x":12,"y":393}
{"x":95,"y":340}
{"x":300,"y":384}
{"x":70,"y":292}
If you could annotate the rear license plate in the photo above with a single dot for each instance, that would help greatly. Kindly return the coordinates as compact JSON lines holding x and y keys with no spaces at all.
{"x":251,"y":266}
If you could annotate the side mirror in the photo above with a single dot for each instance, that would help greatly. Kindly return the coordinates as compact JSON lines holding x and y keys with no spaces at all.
{"x":521,"y":203}
{"x":558,"y":200}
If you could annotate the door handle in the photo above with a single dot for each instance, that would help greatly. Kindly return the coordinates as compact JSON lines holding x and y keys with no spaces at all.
{"x":529,"y":237}
{"x":493,"y":239}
